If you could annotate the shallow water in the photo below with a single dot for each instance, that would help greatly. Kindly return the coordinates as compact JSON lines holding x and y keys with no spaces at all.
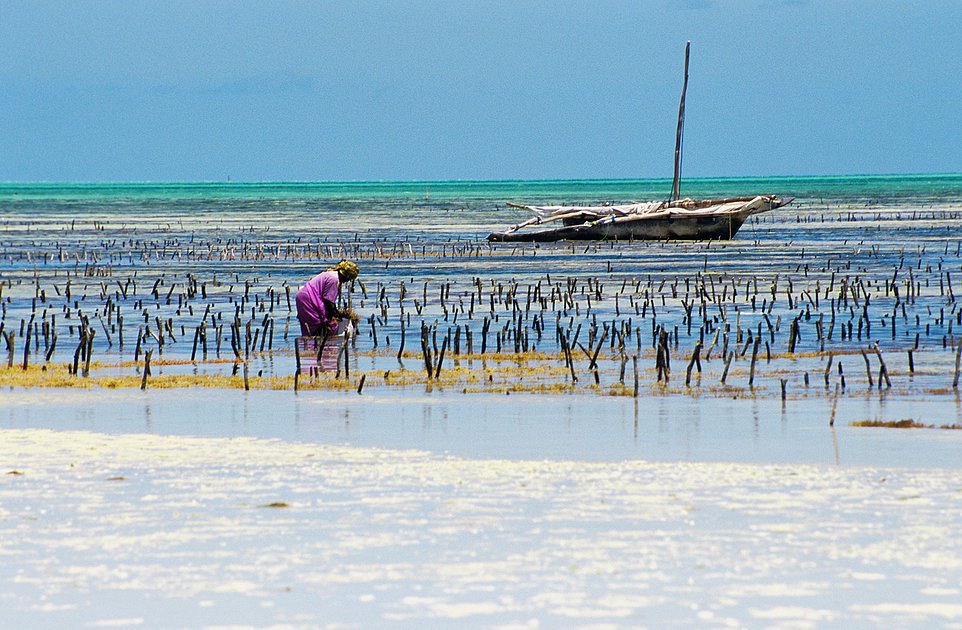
{"x":518,"y":427}
{"x":875,"y":250}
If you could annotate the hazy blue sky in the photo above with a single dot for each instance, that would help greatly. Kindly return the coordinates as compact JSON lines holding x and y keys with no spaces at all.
{"x":353,"y":90}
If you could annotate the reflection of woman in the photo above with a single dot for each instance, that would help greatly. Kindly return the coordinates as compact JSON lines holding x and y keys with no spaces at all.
{"x":317,"y":300}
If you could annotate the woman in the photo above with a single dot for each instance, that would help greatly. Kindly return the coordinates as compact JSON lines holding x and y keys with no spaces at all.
{"x":317,"y":300}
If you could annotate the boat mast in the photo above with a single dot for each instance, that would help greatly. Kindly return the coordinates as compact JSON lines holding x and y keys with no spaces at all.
{"x":681,"y":127}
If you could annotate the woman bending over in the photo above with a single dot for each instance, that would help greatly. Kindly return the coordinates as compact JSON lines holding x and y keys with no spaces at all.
{"x":317,"y":300}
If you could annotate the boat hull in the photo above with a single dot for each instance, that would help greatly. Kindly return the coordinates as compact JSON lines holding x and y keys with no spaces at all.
{"x":682,"y":220}
{"x":655,"y":229}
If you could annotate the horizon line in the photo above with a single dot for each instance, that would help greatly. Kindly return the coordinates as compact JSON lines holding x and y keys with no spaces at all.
{"x":470,"y":181}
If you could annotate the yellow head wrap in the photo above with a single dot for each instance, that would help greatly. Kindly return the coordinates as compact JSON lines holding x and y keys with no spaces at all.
{"x":346,"y":269}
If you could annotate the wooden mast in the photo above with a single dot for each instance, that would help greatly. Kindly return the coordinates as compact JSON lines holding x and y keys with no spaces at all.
{"x":681,"y":126}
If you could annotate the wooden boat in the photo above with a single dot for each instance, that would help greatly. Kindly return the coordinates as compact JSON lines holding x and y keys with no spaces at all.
{"x":681,"y":219}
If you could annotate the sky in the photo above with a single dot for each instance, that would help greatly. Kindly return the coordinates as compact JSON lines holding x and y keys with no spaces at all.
{"x":210,"y":90}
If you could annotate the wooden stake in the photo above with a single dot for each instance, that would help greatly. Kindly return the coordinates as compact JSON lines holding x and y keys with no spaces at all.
{"x":444,"y":346}
{"x":695,"y":360}
{"x":883,"y":369}
{"x":958,"y":358}
{"x":868,"y":370}
{"x":751,"y":376}
{"x":143,"y":381}
{"x":728,"y":362}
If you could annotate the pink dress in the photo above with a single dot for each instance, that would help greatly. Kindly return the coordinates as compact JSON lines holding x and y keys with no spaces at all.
{"x":311,"y":312}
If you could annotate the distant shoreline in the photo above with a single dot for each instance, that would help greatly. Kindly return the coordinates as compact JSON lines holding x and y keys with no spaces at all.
{"x":460,"y":182}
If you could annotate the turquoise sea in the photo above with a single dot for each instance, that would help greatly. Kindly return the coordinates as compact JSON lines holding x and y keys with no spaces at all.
{"x":436,"y":210}
{"x":934,"y":186}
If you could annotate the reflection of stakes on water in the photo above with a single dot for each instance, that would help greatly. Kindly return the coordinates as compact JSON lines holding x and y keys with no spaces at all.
{"x":323,"y":353}
{"x":318,"y":354}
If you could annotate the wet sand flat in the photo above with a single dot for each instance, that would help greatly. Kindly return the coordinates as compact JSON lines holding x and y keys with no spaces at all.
{"x":104,"y":530}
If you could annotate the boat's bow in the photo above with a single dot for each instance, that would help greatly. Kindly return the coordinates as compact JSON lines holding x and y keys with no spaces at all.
{"x":778,"y":202}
